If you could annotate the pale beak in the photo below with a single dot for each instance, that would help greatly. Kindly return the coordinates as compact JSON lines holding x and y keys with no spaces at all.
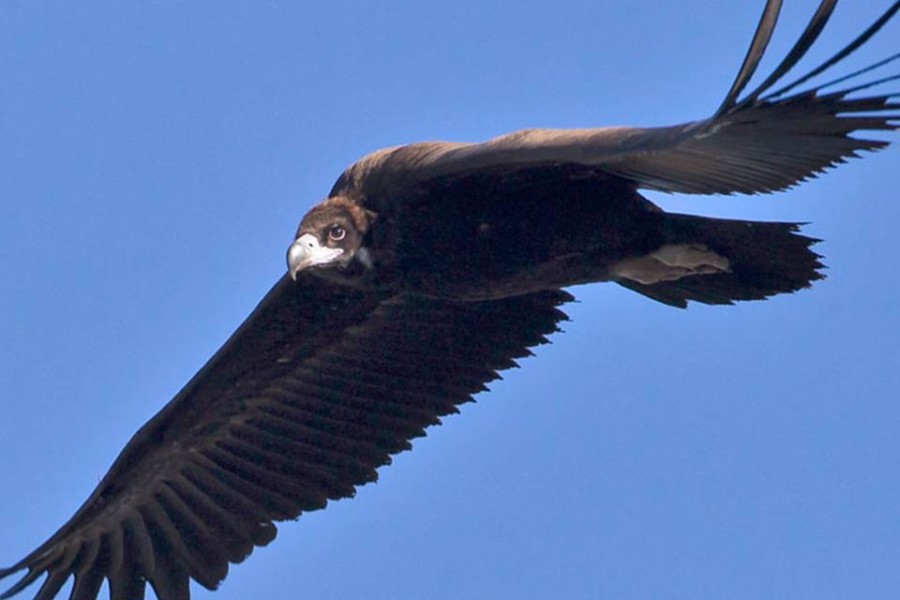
{"x":306,"y":252}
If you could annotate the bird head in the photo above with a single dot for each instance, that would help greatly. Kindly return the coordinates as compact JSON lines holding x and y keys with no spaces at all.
{"x":331,"y":236}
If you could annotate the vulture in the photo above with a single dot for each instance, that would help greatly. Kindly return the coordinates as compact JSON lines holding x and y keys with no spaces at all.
{"x":428,"y":269}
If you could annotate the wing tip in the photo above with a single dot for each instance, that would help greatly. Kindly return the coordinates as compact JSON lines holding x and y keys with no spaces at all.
{"x":807,"y":40}
{"x":755,"y":52}
{"x":27,"y":579}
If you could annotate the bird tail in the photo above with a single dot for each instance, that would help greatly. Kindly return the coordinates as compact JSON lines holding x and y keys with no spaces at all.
{"x":760,"y":260}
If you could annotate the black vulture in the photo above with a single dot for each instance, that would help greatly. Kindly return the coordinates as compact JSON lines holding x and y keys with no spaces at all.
{"x":427,"y":270}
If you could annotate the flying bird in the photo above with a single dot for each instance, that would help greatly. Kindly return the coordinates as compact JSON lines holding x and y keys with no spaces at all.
{"x":427,"y":270}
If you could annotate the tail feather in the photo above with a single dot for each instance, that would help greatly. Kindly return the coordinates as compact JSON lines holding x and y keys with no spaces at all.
{"x":765,"y":259}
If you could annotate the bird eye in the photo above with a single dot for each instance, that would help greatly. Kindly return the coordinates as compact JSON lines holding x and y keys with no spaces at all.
{"x":337,"y":233}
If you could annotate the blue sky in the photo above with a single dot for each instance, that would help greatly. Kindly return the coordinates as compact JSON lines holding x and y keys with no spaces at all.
{"x":156,"y":157}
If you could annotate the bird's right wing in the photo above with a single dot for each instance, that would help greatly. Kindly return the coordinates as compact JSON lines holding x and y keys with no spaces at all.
{"x":756,"y":142}
{"x":317,"y":389}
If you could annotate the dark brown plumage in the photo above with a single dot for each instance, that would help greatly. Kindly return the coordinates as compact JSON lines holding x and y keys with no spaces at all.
{"x":428,"y":269}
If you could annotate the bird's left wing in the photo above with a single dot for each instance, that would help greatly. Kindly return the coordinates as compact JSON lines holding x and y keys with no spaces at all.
{"x":318,"y":388}
{"x":756,"y":142}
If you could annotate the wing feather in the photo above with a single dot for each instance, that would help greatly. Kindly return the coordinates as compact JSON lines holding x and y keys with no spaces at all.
{"x":319,"y":387}
{"x":87,"y":585}
{"x":52,"y":585}
{"x":846,"y":51}
{"x":125,"y":585}
{"x":756,"y":51}
{"x":806,"y":40}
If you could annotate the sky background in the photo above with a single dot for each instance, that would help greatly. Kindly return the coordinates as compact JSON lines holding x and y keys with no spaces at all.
{"x":155,"y":158}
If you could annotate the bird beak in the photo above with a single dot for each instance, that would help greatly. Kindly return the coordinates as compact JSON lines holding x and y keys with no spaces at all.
{"x":306,"y":252}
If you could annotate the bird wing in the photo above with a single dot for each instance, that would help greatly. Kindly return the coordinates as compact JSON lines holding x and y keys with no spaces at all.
{"x":756,"y":142}
{"x":319,"y":387}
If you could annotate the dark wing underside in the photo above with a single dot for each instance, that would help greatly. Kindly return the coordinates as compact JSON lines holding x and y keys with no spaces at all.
{"x":756,"y":142}
{"x":318,"y":388}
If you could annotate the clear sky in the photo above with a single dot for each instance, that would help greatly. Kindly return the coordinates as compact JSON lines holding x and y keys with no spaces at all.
{"x":155,"y":158}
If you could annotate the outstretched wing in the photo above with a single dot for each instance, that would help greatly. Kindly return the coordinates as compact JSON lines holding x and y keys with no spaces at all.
{"x":761,"y":141}
{"x":318,"y":388}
